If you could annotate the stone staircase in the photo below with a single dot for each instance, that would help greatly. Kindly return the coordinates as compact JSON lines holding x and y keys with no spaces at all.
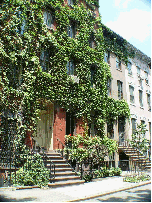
{"x":135,"y":157}
{"x":64,"y":173}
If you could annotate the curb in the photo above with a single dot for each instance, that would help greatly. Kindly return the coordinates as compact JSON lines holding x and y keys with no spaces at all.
{"x":19,"y":187}
{"x":108,"y":193}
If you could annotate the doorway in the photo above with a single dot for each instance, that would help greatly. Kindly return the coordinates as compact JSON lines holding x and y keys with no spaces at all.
{"x":70,"y":123}
{"x":44,"y":135}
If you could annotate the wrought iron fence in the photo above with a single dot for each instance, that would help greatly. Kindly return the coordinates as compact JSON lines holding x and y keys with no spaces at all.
{"x":12,"y":161}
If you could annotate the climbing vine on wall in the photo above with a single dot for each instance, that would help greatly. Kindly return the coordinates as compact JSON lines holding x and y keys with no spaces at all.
{"x":25,"y":86}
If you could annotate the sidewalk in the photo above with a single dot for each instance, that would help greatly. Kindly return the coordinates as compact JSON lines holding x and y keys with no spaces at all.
{"x":69,"y":193}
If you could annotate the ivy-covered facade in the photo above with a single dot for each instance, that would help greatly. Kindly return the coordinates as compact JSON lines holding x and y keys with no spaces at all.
{"x":53,"y":77}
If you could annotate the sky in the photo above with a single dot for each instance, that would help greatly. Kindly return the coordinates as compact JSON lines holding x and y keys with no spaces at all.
{"x":131,"y":19}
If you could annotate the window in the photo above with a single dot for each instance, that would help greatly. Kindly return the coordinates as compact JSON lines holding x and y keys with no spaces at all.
{"x":44,"y":60}
{"x":150,"y":130}
{"x":143,"y":122}
{"x":92,"y":70}
{"x":141,"y":98}
{"x":21,"y":28}
{"x":138,"y":70}
{"x":129,"y":68}
{"x":48,"y":19}
{"x":118,"y":64}
{"x":92,"y":43}
{"x":131,"y":90}
{"x":107,"y":57}
{"x":120,"y":90}
{"x":109,"y":87}
{"x":70,"y":68}
{"x":71,"y":30}
{"x":149,"y":102}
{"x":110,"y":129}
{"x":71,"y":2}
{"x":146,"y":78}
{"x":140,"y":83}
{"x":133,"y":123}
{"x":121,"y":129}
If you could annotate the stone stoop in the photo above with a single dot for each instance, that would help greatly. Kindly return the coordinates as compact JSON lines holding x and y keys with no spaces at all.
{"x":133,"y":155}
{"x":64,"y":173}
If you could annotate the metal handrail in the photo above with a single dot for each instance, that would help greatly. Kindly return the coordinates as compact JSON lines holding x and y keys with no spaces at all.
{"x":45,"y":158}
{"x":61,"y":142}
{"x":63,"y":146}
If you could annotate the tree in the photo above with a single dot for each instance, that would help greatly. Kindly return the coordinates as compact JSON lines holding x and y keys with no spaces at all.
{"x":139,"y":142}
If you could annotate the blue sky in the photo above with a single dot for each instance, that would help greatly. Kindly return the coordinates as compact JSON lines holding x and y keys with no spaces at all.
{"x":131,"y":19}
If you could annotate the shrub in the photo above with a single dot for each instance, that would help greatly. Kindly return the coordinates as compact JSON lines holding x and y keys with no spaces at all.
{"x":136,"y":178}
{"x":32,"y":173}
{"x":87,"y":177}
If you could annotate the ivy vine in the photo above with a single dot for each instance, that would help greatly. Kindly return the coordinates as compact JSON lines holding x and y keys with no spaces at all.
{"x":26,"y":87}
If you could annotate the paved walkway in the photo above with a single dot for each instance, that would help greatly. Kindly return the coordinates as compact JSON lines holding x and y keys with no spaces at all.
{"x":68,"y":193}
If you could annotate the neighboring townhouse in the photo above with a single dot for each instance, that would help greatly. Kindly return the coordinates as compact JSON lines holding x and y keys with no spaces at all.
{"x":131,"y":82}
{"x":138,"y":86}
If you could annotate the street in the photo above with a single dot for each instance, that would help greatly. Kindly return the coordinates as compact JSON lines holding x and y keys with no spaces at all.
{"x":139,"y":194}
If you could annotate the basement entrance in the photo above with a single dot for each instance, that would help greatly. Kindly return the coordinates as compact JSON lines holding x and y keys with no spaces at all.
{"x":123,"y":161}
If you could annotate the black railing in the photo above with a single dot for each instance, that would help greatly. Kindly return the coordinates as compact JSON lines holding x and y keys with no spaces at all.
{"x":37,"y":148}
{"x":61,"y":147}
{"x":11,"y":161}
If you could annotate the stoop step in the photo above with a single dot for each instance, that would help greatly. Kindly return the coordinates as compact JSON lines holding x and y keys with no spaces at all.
{"x":65,"y":183}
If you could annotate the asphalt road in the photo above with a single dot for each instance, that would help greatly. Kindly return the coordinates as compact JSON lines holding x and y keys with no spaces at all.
{"x":139,"y":194}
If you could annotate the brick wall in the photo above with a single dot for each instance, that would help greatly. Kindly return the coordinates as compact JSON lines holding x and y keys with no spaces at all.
{"x":59,"y":126}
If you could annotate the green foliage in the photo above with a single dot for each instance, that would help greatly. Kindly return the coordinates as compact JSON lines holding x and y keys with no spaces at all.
{"x":83,"y":147}
{"x":104,"y":172}
{"x":116,"y":44}
{"x":32,"y":173}
{"x":87,"y":177}
{"x":137,"y":178}
{"x":139,"y":141}
{"x":25,"y":87}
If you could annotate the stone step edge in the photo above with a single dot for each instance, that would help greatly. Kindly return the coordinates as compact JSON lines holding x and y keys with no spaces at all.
{"x":62,"y":178}
{"x":67,"y":183}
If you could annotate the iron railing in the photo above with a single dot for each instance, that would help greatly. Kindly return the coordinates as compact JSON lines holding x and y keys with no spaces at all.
{"x":13,"y":160}
{"x":38,"y":149}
